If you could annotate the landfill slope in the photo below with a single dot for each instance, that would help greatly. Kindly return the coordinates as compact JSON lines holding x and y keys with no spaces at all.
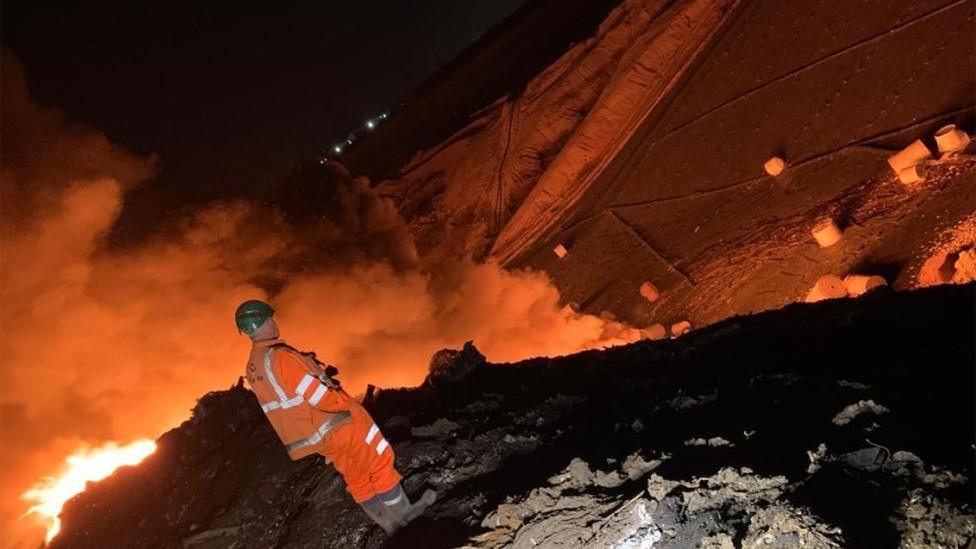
{"x":530,"y":154}
{"x":845,"y":423}
{"x":834,"y":89}
{"x":641,"y":149}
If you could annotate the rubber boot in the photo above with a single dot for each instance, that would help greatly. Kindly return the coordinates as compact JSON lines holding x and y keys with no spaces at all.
{"x":381,"y":515}
{"x":404,"y":511}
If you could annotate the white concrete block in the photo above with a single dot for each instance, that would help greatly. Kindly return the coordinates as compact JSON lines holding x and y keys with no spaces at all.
{"x":649,"y":291}
{"x":654,"y":332}
{"x":913,"y":174}
{"x":570,"y":309}
{"x":775,"y":166}
{"x":951,"y":139}
{"x":911,"y":155}
{"x":858,"y":285}
{"x":826,"y":232}
{"x":680,"y":328}
{"x":827,"y":287}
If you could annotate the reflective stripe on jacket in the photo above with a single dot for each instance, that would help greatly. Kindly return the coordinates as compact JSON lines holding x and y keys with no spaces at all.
{"x":300,"y":404}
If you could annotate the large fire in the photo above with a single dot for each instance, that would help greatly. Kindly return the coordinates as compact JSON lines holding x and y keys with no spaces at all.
{"x":86,"y":465}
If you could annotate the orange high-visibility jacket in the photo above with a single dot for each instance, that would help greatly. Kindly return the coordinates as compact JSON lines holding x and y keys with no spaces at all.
{"x":302,"y":405}
{"x":311,"y":416}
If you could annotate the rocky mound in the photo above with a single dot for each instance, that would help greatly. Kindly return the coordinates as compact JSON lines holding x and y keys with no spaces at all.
{"x":843,"y":423}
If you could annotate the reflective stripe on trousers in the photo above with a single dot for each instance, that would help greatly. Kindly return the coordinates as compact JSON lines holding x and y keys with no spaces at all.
{"x":383,"y":444}
{"x":319,"y":433}
{"x":392,"y":497}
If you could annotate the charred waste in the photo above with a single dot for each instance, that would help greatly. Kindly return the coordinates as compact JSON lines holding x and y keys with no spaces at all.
{"x":837,"y":424}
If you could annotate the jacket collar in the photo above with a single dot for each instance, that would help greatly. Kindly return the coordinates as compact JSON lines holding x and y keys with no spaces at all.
{"x":264,"y":343}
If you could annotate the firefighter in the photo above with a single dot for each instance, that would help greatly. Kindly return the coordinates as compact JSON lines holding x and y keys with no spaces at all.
{"x":313,"y":415}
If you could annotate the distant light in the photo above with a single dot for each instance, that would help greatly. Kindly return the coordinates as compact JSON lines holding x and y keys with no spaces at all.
{"x":384,"y":115}
{"x":349,"y":141}
{"x":337,"y":149}
{"x":371,"y":124}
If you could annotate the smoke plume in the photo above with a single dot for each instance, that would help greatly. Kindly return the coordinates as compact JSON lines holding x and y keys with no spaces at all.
{"x":99,"y":344}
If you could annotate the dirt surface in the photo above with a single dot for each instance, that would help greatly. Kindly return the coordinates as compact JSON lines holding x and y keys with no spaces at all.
{"x":845,"y":423}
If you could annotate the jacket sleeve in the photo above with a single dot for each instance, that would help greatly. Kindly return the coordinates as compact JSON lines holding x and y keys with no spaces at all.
{"x":297,"y":381}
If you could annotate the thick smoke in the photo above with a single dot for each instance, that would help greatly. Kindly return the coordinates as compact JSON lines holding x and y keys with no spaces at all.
{"x":381,"y":327}
{"x":98,"y":344}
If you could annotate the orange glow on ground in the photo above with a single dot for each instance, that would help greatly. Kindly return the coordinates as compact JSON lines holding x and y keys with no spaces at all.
{"x":84,"y":466}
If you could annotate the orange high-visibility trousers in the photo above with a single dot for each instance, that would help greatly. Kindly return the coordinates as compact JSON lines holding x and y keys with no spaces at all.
{"x":362,"y":456}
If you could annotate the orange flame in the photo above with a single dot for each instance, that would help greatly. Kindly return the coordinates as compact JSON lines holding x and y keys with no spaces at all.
{"x":84,"y":466}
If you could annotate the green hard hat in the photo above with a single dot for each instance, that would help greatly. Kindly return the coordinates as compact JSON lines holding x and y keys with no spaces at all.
{"x":251,"y":314}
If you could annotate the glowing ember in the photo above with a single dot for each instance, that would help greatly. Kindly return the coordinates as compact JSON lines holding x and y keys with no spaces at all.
{"x":84,"y":466}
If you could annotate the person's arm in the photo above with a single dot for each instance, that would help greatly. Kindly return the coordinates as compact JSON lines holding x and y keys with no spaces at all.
{"x":296,"y":380}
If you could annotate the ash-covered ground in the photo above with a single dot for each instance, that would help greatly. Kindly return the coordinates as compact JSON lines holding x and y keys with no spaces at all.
{"x":846,"y":423}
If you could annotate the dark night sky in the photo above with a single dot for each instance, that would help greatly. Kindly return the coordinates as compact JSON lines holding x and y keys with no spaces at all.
{"x":230,"y":96}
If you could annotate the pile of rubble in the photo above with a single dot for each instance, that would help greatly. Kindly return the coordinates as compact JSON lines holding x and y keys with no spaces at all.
{"x":749,"y":432}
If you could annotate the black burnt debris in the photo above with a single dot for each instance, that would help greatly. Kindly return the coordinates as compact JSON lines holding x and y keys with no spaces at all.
{"x":845,"y":423}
